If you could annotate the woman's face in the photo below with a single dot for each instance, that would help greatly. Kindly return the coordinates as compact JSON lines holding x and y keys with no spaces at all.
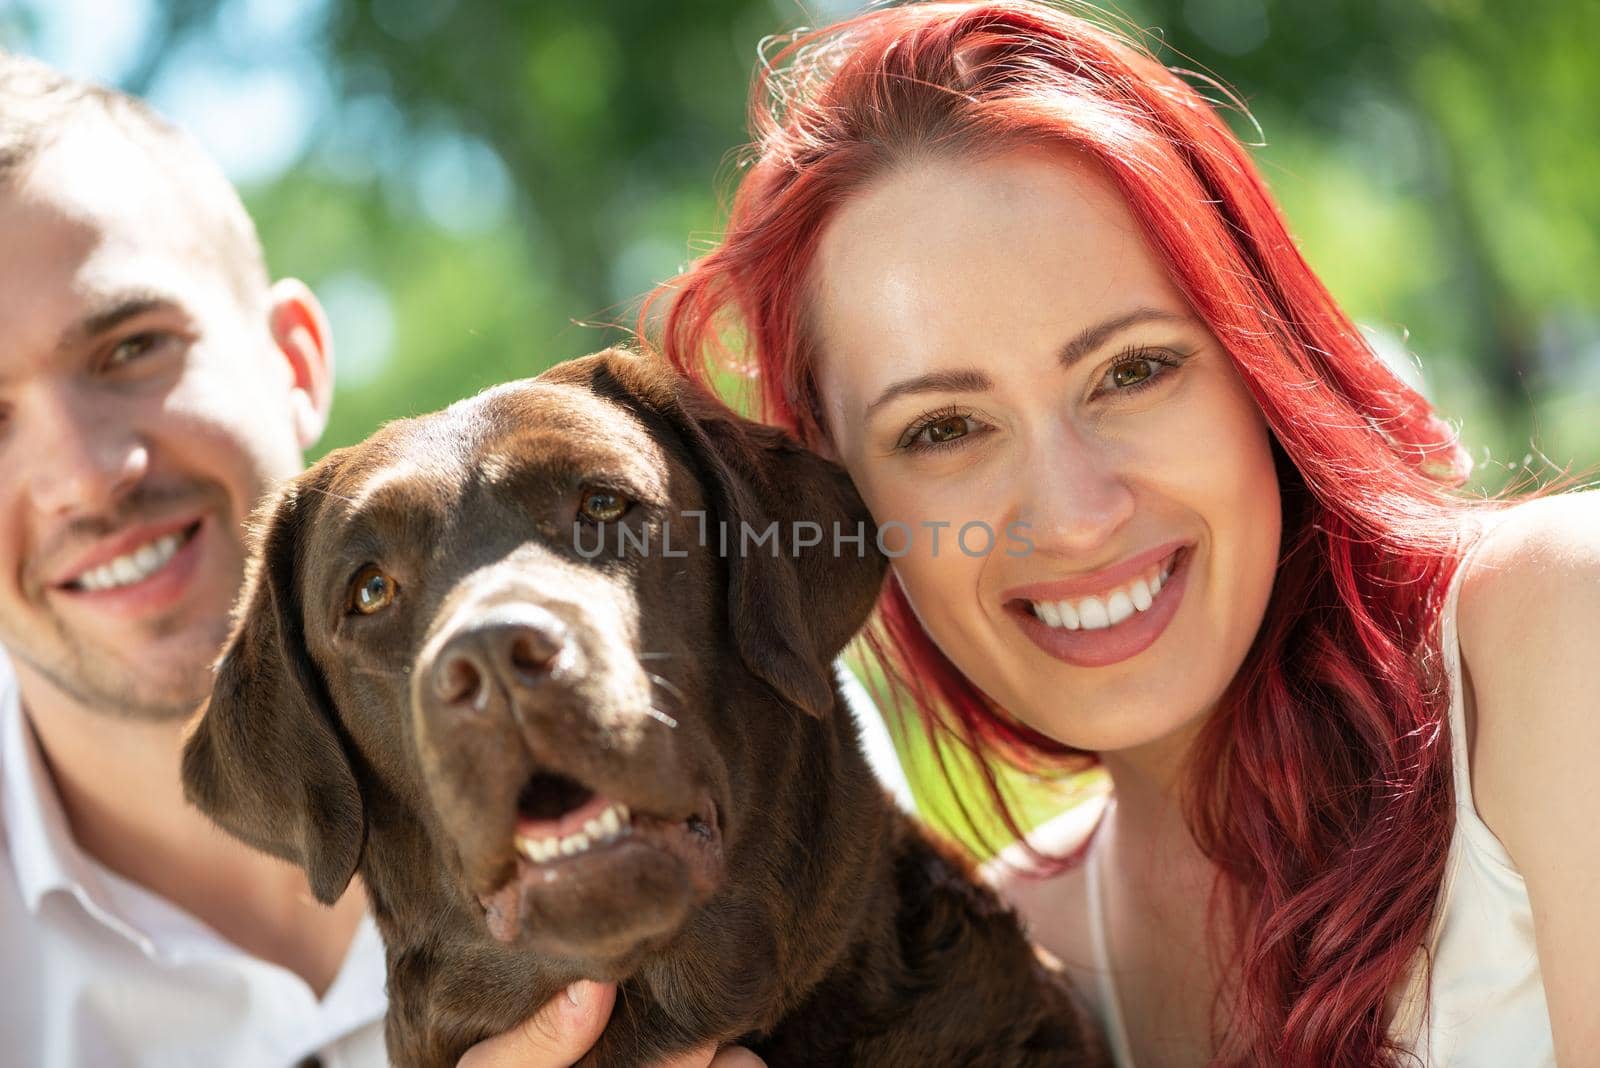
{"x":1000,"y":347}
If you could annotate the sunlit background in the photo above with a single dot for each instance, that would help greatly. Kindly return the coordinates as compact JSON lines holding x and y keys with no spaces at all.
{"x":470,"y":185}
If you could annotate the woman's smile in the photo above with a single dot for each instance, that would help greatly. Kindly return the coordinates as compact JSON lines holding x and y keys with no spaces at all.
{"x":1122,"y":619}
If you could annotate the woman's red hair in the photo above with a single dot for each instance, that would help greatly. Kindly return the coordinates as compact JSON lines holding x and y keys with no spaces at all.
{"x":1321,"y":788}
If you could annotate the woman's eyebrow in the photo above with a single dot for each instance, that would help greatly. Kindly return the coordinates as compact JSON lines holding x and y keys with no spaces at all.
{"x":974,"y":381}
{"x":964,"y":381}
{"x":1095,"y":336}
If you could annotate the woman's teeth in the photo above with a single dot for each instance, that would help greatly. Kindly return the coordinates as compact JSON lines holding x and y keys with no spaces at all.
{"x":1107,"y":609}
{"x":131,"y":567}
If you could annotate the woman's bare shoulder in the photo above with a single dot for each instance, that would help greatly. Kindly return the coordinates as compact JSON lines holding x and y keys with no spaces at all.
{"x":1528,"y":620}
{"x":1534,"y":573}
{"x":1534,"y":537}
{"x":1530,"y":637}
{"x":1053,"y":908}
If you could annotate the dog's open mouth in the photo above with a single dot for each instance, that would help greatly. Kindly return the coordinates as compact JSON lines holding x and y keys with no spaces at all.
{"x":578,"y":849}
{"x":559,"y":817}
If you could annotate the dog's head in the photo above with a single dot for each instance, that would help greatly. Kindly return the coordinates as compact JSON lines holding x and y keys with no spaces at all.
{"x":529,"y":629}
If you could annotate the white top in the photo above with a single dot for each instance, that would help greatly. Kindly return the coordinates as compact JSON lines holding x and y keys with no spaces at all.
{"x":98,"y":972}
{"x":1487,"y":999}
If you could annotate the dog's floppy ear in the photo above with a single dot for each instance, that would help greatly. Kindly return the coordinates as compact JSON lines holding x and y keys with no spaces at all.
{"x":265,"y":760}
{"x":789,"y":616}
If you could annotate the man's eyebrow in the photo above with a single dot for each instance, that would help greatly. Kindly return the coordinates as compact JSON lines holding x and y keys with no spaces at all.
{"x":1097,"y":335}
{"x":964,"y":381}
{"x":110,"y":312}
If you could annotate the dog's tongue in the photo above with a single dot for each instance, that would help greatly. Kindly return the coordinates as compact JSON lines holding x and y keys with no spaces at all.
{"x":570,"y":822}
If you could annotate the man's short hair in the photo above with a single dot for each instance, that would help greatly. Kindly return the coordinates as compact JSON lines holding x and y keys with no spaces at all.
{"x":38,"y":104}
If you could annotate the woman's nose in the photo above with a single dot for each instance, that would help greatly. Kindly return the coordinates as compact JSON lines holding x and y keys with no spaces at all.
{"x":1074,"y":497}
{"x":80,"y":458}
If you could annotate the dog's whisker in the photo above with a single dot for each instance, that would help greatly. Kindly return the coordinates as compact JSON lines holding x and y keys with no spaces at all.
{"x":656,"y":713}
{"x":655,"y":656}
{"x":329,"y":493}
{"x":665,"y":685}
{"x":381,"y":672}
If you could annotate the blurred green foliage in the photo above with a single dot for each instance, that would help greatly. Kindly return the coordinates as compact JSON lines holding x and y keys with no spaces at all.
{"x":1436,"y":159}
{"x":483,"y":179}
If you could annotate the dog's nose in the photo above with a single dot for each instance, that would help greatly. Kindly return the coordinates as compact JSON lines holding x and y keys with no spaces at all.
{"x":516,"y":646}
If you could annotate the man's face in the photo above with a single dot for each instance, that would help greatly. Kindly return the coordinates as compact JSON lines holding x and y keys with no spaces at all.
{"x":145,"y":404}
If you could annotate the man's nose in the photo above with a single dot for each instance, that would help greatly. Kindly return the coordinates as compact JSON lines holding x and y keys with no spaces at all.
{"x":78,"y":457}
{"x":1077,"y":496}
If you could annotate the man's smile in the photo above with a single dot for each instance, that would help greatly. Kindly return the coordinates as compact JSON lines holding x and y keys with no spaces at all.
{"x":140,"y":571}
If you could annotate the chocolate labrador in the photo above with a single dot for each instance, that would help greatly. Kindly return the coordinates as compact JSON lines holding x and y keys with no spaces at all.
{"x":542,"y":669}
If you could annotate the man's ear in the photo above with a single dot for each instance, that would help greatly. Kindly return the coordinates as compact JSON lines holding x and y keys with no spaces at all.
{"x":300,"y":331}
{"x":265,"y":759}
{"x":789,"y":616}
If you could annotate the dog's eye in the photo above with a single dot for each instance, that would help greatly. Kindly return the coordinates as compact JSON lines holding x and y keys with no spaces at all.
{"x":371,"y":591}
{"x":602,"y":506}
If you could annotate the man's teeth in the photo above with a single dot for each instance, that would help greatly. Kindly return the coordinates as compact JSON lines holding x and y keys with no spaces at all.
{"x":1108,"y":609}
{"x":605,"y":828}
{"x":132,"y":567}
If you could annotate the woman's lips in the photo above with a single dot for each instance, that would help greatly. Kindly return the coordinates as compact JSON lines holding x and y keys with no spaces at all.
{"x":1102,"y":646}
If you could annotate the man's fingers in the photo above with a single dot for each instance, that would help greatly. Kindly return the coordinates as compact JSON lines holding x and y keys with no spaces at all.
{"x":700,"y":1057}
{"x":554,"y":1037}
{"x":707,"y":1057}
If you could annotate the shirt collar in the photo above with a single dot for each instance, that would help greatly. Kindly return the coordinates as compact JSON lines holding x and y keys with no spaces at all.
{"x":44,"y":855}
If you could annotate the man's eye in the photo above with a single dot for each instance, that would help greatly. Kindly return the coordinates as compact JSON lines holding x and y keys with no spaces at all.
{"x":132,"y":348}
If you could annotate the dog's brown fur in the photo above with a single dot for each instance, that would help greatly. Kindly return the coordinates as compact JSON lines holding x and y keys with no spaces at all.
{"x":771,"y":894}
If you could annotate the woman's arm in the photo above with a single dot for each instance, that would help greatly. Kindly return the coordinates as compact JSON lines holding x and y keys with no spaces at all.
{"x":1530,"y":639}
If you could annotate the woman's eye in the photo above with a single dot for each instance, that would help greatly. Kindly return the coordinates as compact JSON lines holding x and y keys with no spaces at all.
{"x":947,"y":429}
{"x":938,"y":429}
{"x":602,"y":506}
{"x":372,"y":591}
{"x":1132,"y":373}
{"x":1135,"y":370}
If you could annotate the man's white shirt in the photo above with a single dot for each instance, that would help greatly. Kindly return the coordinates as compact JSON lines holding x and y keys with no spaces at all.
{"x":98,"y":972}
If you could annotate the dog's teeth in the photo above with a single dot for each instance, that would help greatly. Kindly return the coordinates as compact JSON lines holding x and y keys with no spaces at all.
{"x":623,"y":814}
{"x":604,"y":829}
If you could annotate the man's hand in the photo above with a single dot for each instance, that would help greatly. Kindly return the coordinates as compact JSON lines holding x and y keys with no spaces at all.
{"x":554,"y":1037}
{"x":562,"y":1031}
